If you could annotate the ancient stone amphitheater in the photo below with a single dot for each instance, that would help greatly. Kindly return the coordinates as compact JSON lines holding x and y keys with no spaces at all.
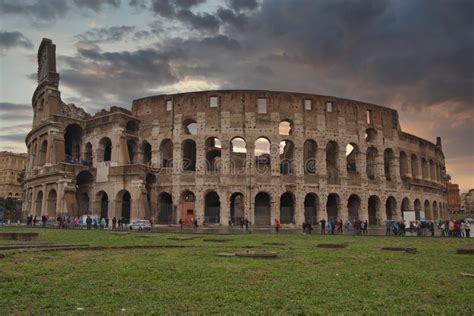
{"x":220,"y":156}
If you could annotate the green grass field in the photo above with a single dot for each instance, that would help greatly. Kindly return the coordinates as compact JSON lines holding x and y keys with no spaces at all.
{"x":360,"y":279}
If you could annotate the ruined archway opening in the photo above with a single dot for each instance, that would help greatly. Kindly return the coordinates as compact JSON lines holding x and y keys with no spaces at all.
{"x":51,"y":204}
{"x":212,"y":207}
{"x":370,"y":135}
{"x":310,"y":150}
{"x":405,"y":207}
{"x":417,"y":207}
{"x":332,"y":157}
{"x":132,"y":128}
{"x":104,"y":152}
{"x":213,"y":147}
{"x":104,"y":204}
{"x":415,"y":171}
{"x":371,"y":161}
{"x":287,"y":208}
{"x":72,"y":143}
{"x":39,"y":203}
{"x":436,"y":215}
{"x":424,"y":169}
{"x":237,"y":208}
{"x":403,"y":165}
{"x":352,"y":152}
{"x":287,"y":151}
{"x":262,"y":156}
{"x":125,"y":205}
{"x":165,"y":210}
{"x":427,"y":210}
{"x":132,"y":151}
{"x":238,"y":155}
{"x":84,"y":182}
{"x":189,"y":155}
{"x":262,"y":209}
{"x":390,"y":208}
{"x":166,"y":152}
{"x":332,"y":207}
{"x":311,"y":204}
{"x":373,"y":209}
{"x":285,"y":128}
{"x":146,"y":150}
{"x":88,"y":155}
{"x":43,"y":153}
{"x":353,"y":207}
{"x":190,"y":127}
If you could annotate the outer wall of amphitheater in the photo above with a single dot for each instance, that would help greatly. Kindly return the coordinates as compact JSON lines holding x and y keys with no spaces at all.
{"x":220,"y":156}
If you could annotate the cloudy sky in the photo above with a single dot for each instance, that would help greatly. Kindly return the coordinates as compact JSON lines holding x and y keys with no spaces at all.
{"x":414,"y":56}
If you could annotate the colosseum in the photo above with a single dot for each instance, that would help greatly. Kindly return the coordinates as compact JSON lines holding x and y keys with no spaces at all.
{"x":220,"y":156}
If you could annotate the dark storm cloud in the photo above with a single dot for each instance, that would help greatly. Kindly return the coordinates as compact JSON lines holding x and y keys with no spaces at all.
{"x":96,"y":5}
{"x":238,"y":5}
{"x":44,"y":9}
{"x":14,"y":39}
{"x":237,"y":20}
{"x":106,"y":34}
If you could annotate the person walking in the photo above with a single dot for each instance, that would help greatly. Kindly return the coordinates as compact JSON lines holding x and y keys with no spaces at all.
{"x":277,"y":225}
{"x":467,"y":229}
{"x":323,"y":226}
{"x":114,"y":223}
{"x":88,"y":222}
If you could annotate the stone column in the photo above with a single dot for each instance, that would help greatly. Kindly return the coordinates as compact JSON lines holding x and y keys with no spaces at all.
{"x":199,"y":206}
{"x":275,"y":206}
{"x":225,"y":157}
{"x":299,"y":208}
{"x":275,"y":157}
{"x":321,"y":208}
{"x":342,"y":166}
{"x":45,"y":197}
{"x":224,"y":208}
{"x":364,"y":208}
{"x":379,"y":167}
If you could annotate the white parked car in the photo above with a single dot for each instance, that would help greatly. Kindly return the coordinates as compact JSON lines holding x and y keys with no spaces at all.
{"x":140,"y":225}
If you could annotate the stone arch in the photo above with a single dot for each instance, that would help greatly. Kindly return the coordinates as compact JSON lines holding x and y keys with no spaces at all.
{"x":189,"y":155}
{"x":262,"y":209}
{"x":51,"y":203}
{"x":285,"y":128}
{"x":403,"y":165}
{"x":39,"y":203}
{"x":262,"y":155}
{"x":353,"y":207}
{"x":424,"y":169}
{"x":373,"y":209}
{"x":332,"y":158}
{"x":417,"y":208}
{"x":132,"y":150}
{"x":103,"y":198}
{"x":371,"y":158}
{"x":427,"y":210}
{"x":147,"y":152}
{"x":88,"y":157}
{"x":165,"y":208}
{"x":43,"y":153}
{"x":72,"y":143}
{"x":124,"y":205}
{"x":333,"y":207}
{"x":166,"y":153}
{"x":310,"y":150}
{"x":238,"y":154}
{"x":237,"y":207}
{"x":388,"y":163}
{"x":84,"y":181}
{"x":212,"y":150}
{"x":311,"y":208}
{"x":432,"y":171}
{"x":415,"y":170}
{"x":287,"y":152}
{"x":190,"y":127}
{"x":132,"y":127}
{"x":287,"y":208}
{"x":212,"y":208}
{"x":104,"y":152}
{"x":391,"y":208}
{"x":352,"y":152}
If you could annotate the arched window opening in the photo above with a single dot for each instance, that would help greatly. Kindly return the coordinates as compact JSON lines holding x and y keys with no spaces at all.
{"x":105,"y":149}
{"x":310,"y":150}
{"x":238,"y":154}
{"x":166,"y":152}
{"x":190,"y":127}
{"x":262,"y":155}
{"x":370,"y":135}
{"x":417,"y":206}
{"x":84,"y":182}
{"x":432,"y":171}
{"x":189,"y":155}
{"x":146,"y":149}
{"x":237,"y":208}
{"x":287,"y":150}
{"x":371,"y":161}
{"x":43,"y":153}
{"x":436,"y":215}
{"x":39,"y":204}
{"x":415,"y":171}
{"x":311,"y":208}
{"x":104,"y":204}
{"x":424,"y":169}
{"x":285,"y":128}
{"x":388,"y":161}
{"x":406,"y":207}
{"x":72,"y":143}
{"x":332,"y":158}
{"x":125,"y":201}
{"x":353,"y":207}
{"x":213,"y":148}
{"x":390,"y":208}
{"x":51,"y":204}
{"x":287,"y":208}
{"x":427,"y":210}
{"x":352,"y":151}
{"x":262,"y":209}
{"x":132,"y":128}
{"x":373,"y":208}
{"x":132,"y":151}
{"x":212,"y":206}
{"x":88,"y":155}
{"x":403,"y":165}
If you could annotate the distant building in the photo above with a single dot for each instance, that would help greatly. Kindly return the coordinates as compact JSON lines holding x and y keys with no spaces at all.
{"x":11,"y":165}
{"x":467,"y":201}
{"x":454,"y":198}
